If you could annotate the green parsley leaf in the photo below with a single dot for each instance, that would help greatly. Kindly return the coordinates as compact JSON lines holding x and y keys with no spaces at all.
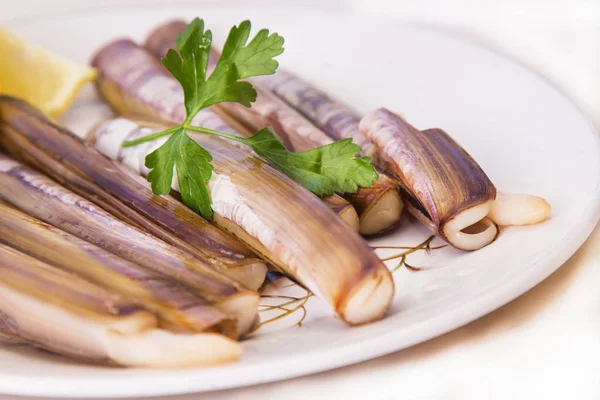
{"x":255,"y":58}
{"x":190,"y":64}
{"x":240,"y":60}
{"x":324,"y":170}
{"x":193,"y":167}
{"x":340,"y":163}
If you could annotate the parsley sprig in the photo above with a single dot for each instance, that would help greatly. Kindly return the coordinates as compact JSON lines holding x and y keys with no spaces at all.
{"x":323,"y":170}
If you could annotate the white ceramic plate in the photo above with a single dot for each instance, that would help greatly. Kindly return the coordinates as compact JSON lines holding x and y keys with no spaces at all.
{"x":527,"y":136}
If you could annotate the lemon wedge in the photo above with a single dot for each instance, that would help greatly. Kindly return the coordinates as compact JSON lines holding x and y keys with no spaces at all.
{"x":42,"y":78}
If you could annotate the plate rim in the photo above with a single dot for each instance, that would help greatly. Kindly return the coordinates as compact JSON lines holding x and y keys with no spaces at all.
{"x":344,"y":355}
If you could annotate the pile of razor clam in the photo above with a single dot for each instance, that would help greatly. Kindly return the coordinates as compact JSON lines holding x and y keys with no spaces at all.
{"x":96,"y":267}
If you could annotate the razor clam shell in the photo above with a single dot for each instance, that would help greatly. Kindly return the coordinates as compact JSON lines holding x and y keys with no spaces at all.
{"x":7,"y":338}
{"x":46,"y":200}
{"x":164,"y":37}
{"x":23,"y":149}
{"x":59,"y":287}
{"x":338,"y":121}
{"x":23,"y":277}
{"x":334,"y":118}
{"x":131,"y":341}
{"x":434,"y":170}
{"x":48,"y":326}
{"x":338,"y":205}
{"x":175,"y":303}
{"x":321,"y":252}
{"x":297,"y":133}
{"x":365,"y":198}
{"x":62,"y":313}
{"x":31,"y":137}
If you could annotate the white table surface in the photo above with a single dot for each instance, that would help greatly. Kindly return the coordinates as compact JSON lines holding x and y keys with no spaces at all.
{"x":545,"y":344}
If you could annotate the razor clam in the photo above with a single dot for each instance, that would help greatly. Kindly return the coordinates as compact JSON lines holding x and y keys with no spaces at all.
{"x":164,"y":37}
{"x":448,"y":191}
{"x":248,"y":121}
{"x":59,"y":287}
{"x":29,"y":136}
{"x":333,"y":117}
{"x":63,"y":313}
{"x":262,"y":207}
{"x":378,"y":207}
{"x":344,"y":210}
{"x":44,"y":199}
{"x":175,"y":303}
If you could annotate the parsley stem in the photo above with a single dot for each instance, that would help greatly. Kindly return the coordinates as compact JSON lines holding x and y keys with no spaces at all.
{"x":149,"y":138}
{"x":216,"y":133}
